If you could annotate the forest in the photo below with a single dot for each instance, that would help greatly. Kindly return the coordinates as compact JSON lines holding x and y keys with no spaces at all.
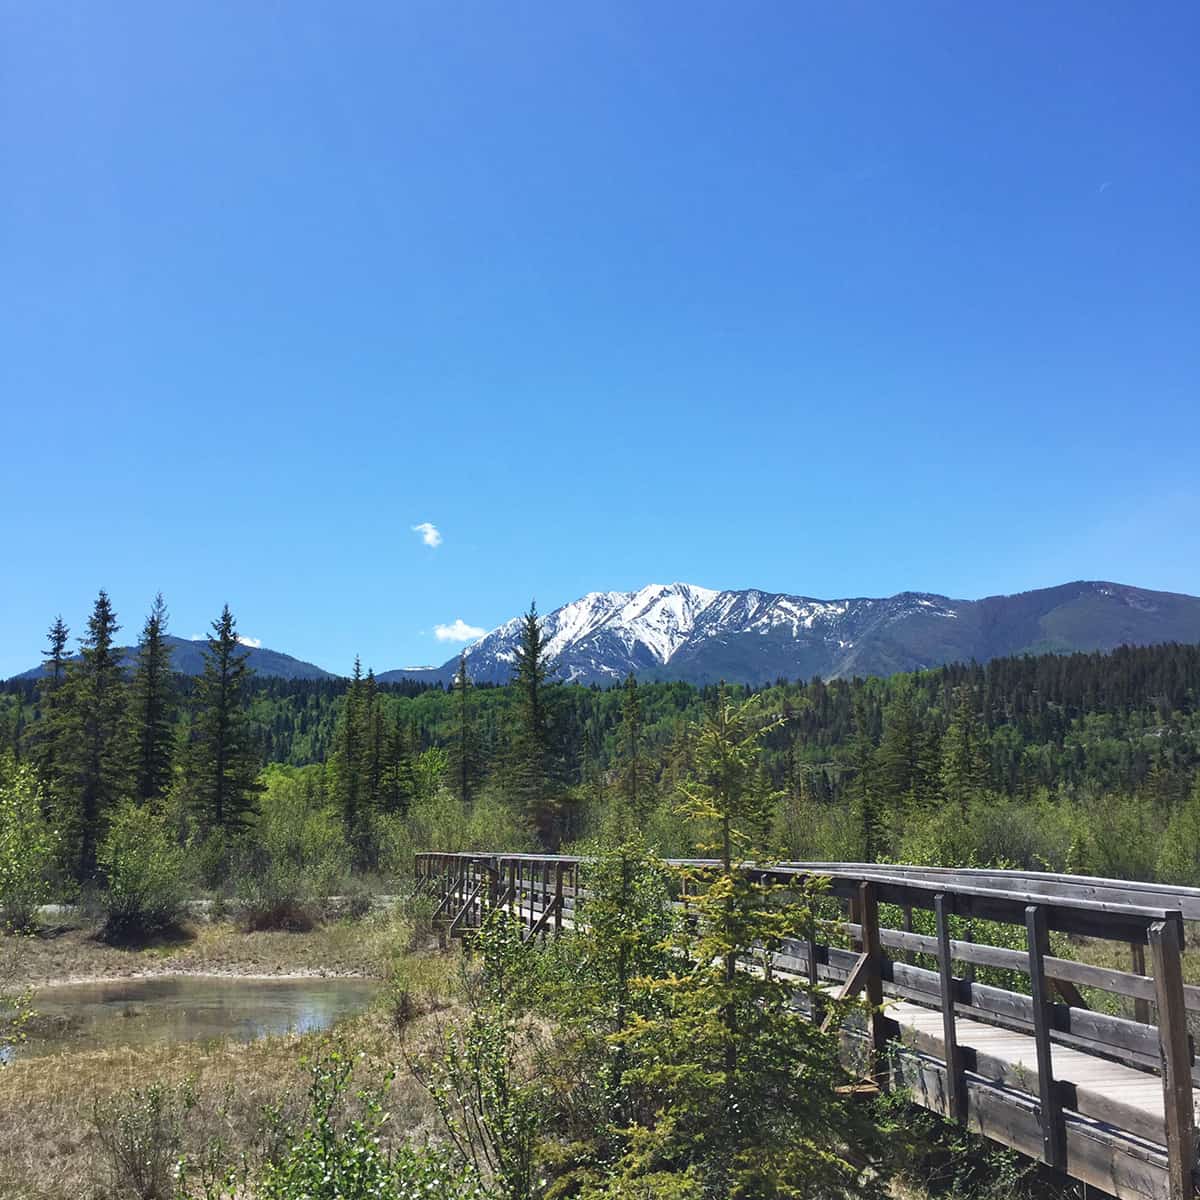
{"x":1085,"y":763}
{"x":590,"y":1066}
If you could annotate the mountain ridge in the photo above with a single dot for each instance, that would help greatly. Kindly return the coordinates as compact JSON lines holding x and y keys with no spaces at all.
{"x":750,"y":635}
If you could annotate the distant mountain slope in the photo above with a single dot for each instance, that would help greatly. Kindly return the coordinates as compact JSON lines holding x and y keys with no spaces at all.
{"x":681,"y":631}
{"x":188,"y":659}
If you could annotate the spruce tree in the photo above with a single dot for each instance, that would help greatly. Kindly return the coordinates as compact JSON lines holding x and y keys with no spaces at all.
{"x":464,"y":748}
{"x":531,"y":764}
{"x":150,"y":715}
{"x":224,"y":760}
{"x":348,"y":763}
{"x":964,"y":762}
{"x":632,"y":775}
{"x":93,"y":701}
{"x":373,"y":745}
{"x":45,"y":738}
{"x":748,"y":1089}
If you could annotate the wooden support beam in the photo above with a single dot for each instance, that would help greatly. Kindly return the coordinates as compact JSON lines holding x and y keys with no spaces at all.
{"x":1137,"y":960}
{"x":956,"y":1083}
{"x":877,"y":1023}
{"x":1166,"y":939}
{"x":456,"y":924}
{"x":1050,"y":1110}
{"x":559,"y":871}
{"x":542,"y":921}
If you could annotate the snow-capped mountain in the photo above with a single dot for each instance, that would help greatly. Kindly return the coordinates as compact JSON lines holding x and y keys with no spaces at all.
{"x":682,"y":631}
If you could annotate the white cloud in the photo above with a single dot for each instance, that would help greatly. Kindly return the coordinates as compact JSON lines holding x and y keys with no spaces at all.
{"x":430,"y":534}
{"x":460,"y":631}
{"x":253,"y":643}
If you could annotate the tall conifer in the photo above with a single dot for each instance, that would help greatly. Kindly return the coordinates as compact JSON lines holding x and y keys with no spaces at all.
{"x":531,"y":761}
{"x":225,"y":762}
{"x":93,"y":699}
{"x":150,"y":720}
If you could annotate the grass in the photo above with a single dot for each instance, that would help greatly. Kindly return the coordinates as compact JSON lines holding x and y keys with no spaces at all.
{"x":49,"y":1146}
{"x":362,"y":948}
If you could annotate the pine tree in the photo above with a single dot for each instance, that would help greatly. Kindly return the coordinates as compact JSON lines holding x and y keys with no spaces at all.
{"x":633,"y":784}
{"x":348,"y":763}
{"x":224,"y":760}
{"x":531,"y":762}
{"x":747,"y":1086}
{"x":150,"y":716}
{"x":964,"y":764}
{"x":862,"y":789}
{"x":45,"y":735}
{"x":93,"y":700}
{"x":905,"y":766}
{"x":464,"y":749}
{"x":373,"y":745}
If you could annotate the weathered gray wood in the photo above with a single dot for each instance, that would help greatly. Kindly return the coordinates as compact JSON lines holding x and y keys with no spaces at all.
{"x":1050,"y":1111}
{"x":868,"y":905}
{"x":456,"y":923}
{"x":955,"y":1081}
{"x":1165,"y":938}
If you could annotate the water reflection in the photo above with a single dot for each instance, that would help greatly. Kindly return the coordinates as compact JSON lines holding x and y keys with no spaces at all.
{"x":89,"y":1016}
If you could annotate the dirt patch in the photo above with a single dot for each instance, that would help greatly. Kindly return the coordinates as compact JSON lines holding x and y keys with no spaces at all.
{"x":345,"y":948}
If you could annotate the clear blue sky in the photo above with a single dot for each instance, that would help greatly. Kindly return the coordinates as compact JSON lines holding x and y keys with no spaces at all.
{"x":830,"y":299}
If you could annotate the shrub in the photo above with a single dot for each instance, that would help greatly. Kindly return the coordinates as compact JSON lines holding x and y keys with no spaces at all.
{"x":299,"y":856}
{"x":141,"y":1140}
{"x":146,"y":874}
{"x":27,"y":849}
{"x":336,"y":1156}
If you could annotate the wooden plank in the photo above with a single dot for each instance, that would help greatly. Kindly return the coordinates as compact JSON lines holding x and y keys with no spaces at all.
{"x":1165,"y":940}
{"x":955,"y":1082}
{"x":868,"y":904}
{"x":1050,"y":1112}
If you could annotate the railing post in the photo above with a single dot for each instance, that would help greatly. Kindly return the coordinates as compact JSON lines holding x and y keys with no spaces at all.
{"x":1137,"y":958}
{"x":868,"y":913}
{"x":559,"y":868}
{"x":1166,"y":941}
{"x":956,"y":1084}
{"x":1053,"y":1133}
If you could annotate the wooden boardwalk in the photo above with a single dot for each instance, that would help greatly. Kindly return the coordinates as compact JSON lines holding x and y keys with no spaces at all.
{"x":1027,"y":1061}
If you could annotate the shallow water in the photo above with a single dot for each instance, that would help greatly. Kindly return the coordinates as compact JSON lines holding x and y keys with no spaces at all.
{"x":178,"y":1008}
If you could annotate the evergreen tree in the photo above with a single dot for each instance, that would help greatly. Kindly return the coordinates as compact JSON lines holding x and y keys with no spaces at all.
{"x":863,"y":791}
{"x":93,"y":701}
{"x":347,"y":762}
{"x":633,"y":784}
{"x":747,"y":1086}
{"x":151,"y":710}
{"x":373,"y":744}
{"x":964,"y":765}
{"x":531,"y":761}
{"x":45,"y":735}
{"x":905,"y":767}
{"x":464,"y":749}
{"x":224,"y":760}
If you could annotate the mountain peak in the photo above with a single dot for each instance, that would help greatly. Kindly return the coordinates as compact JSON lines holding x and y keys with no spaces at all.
{"x":685,"y":631}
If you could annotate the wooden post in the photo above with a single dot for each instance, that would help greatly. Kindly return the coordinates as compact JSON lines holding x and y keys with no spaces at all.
{"x":956,"y":1084}
{"x":1053,"y":1132}
{"x":906,"y":925}
{"x":1166,"y":938}
{"x":815,"y":1008}
{"x":1137,"y":958}
{"x":559,"y":869}
{"x":868,"y":912}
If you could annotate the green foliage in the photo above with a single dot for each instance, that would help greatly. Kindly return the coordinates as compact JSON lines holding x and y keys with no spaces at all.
{"x":746,"y":1084}
{"x":1179,"y":858}
{"x":295,"y":855}
{"x":141,"y":1138}
{"x":149,"y":716}
{"x":338,"y":1155}
{"x":145,"y":871}
{"x":28,"y":847}
{"x":223,"y":760}
{"x":489,"y":1111}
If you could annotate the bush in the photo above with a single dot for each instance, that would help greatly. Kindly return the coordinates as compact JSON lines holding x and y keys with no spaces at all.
{"x":141,"y":1140}
{"x":299,"y":856}
{"x":146,"y":874}
{"x":27,"y":849}
{"x":337,"y":1156}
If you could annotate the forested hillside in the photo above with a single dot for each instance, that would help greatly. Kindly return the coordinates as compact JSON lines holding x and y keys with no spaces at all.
{"x":1084,"y":762}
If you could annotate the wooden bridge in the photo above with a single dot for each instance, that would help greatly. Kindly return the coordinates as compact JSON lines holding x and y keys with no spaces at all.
{"x":1099,"y":1087}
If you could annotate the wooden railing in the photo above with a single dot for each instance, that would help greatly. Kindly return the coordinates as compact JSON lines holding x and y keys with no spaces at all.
{"x":1069,"y":1087}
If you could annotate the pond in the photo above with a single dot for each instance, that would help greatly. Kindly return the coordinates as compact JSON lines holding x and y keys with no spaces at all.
{"x":176,"y":1008}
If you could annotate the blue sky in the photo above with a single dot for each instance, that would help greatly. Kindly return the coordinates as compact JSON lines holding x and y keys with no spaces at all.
{"x":829,"y":299}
